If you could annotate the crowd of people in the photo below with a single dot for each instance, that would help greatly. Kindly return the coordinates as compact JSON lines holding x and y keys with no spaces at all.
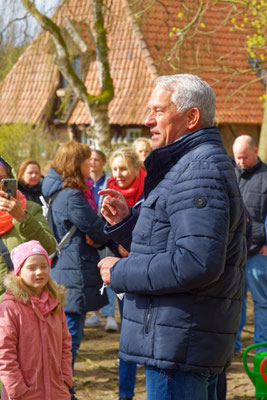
{"x":166,"y":229}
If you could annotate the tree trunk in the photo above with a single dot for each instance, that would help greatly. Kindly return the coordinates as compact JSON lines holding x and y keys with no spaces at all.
{"x":263,"y":136}
{"x":97,"y":105}
{"x":100,"y":128}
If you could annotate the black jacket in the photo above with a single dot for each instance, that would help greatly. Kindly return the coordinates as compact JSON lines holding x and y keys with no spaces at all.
{"x":253,"y":187}
{"x":31,"y":193}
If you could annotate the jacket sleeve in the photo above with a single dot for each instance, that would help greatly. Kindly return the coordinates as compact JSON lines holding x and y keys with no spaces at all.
{"x":66,"y":363}
{"x":81,"y":214}
{"x":197,"y":215}
{"x":35,"y":227}
{"x":122,"y":232}
{"x":10,"y":372}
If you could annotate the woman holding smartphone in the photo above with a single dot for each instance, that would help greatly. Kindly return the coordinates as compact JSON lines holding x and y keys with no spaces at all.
{"x":20,"y":221}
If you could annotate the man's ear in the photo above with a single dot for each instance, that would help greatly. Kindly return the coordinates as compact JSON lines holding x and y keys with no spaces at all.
{"x":193,"y":117}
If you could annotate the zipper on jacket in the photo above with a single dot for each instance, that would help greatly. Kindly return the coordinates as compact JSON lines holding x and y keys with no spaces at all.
{"x":148,"y":316}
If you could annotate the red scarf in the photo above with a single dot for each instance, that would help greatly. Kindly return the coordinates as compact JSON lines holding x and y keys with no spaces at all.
{"x":134,"y":191}
{"x":6,"y":220}
{"x":89,"y":195}
{"x":45,"y":303}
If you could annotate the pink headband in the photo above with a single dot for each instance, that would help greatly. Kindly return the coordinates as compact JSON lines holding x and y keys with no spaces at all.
{"x":20,"y":253}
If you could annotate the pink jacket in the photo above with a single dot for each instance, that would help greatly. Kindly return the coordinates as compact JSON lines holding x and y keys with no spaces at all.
{"x":35,"y":350}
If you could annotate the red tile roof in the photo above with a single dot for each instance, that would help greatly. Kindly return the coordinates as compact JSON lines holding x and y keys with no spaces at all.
{"x":137,"y":54}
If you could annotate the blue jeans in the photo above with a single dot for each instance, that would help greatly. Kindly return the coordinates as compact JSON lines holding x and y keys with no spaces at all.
{"x":171,"y":384}
{"x":127,"y":371}
{"x":109,"y":309}
{"x":127,"y":375}
{"x":221,"y":388}
{"x":75,"y":325}
{"x":256,"y":281}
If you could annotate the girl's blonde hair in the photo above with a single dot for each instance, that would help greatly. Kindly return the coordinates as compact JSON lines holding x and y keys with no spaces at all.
{"x":55,"y":290}
{"x":143,"y":140}
{"x":129,"y":155}
{"x":67,"y":162}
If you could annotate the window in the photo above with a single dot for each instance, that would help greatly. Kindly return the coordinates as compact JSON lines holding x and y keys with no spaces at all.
{"x":76,"y":65}
{"x":92,"y":143}
{"x":257,"y":66}
{"x":132,"y":134}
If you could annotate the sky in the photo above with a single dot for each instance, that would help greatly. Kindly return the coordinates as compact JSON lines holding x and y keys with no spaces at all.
{"x":13,"y":9}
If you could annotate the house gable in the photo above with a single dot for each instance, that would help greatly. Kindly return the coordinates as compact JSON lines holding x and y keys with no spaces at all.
{"x":138,"y":52}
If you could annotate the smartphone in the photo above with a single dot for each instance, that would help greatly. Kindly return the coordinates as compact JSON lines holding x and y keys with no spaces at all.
{"x":9,"y":186}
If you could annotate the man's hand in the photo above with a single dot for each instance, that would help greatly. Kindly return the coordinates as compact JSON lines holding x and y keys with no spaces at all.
{"x":263,"y":250}
{"x":12,"y":206}
{"x":88,"y":240}
{"x":122,"y":251}
{"x":114,"y":208}
{"x":105,"y":265}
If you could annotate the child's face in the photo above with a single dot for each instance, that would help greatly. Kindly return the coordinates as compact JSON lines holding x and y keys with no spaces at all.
{"x":35,"y":273}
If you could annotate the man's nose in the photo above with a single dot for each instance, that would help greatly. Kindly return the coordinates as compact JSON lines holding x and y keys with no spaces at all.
{"x":149,"y":119}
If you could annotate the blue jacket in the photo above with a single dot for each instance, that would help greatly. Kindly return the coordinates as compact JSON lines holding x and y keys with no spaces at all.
{"x":76,"y":267}
{"x":184,"y":277}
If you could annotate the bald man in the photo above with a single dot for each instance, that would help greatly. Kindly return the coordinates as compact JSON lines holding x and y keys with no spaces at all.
{"x":251,"y":175}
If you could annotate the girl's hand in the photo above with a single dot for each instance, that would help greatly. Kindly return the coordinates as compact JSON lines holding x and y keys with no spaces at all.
{"x":263,"y":250}
{"x":12,"y":206}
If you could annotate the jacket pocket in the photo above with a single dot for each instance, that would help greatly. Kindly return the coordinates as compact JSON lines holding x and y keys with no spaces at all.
{"x":31,"y":378}
{"x":148,"y":316}
{"x":145,"y":222}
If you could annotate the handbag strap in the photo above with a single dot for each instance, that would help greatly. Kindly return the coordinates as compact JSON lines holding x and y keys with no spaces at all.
{"x":6,"y":255}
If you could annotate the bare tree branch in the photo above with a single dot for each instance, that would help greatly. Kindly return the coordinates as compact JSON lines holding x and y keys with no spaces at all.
{"x":97,"y":105}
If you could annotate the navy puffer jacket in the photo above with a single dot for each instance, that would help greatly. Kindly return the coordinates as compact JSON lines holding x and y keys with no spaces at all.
{"x":184,"y":278}
{"x":76,"y":267}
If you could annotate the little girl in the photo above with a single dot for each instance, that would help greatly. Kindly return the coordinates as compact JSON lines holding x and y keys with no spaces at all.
{"x":35,"y":344}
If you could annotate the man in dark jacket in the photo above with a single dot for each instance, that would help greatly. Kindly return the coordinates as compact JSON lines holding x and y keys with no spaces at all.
{"x":184,"y":277}
{"x":251,"y":175}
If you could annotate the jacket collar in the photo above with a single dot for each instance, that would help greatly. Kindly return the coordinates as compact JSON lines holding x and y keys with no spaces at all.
{"x":17,"y":293}
{"x":244,"y":172}
{"x":33,"y":189}
{"x":160,"y":160}
{"x":52,"y":183}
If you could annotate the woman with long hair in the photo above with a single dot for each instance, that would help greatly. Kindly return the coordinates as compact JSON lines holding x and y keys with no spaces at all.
{"x":76,"y":266}
{"x":30,"y":180}
{"x":128,"y":176}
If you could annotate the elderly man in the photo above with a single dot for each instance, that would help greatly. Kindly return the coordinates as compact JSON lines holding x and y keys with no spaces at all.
{"x":252,"y":179}
{"x":184,"y":277}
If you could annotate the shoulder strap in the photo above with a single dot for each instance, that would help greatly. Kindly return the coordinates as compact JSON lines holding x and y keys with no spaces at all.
{"x":67,"y":236}
{"x":49,"y":213}
{"x":6,"y":255}
{"x":64,"y":240}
